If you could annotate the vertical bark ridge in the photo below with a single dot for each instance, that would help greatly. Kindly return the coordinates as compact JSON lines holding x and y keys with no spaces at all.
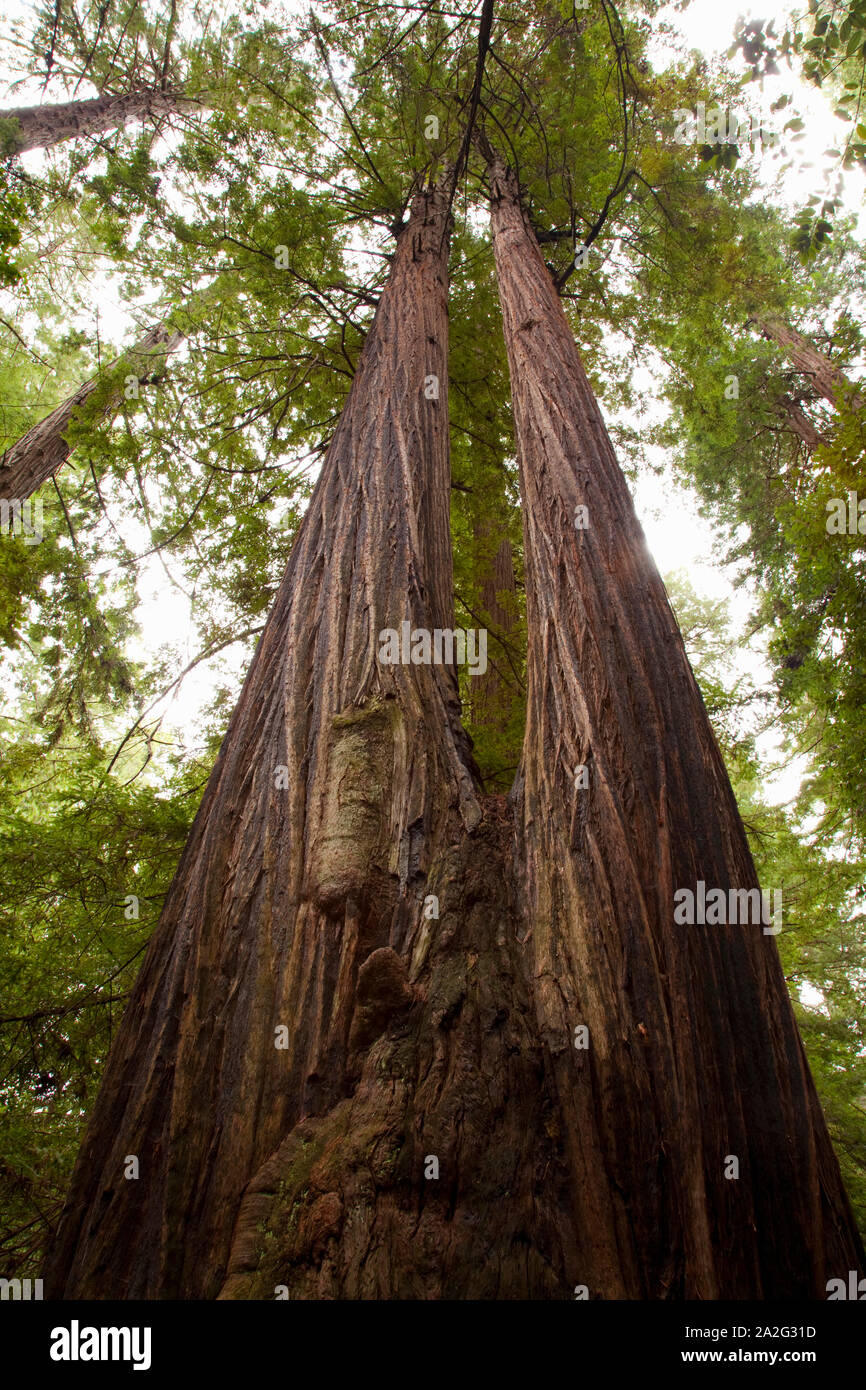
{"x":694,"y":1052}
{"x":284,"y":890}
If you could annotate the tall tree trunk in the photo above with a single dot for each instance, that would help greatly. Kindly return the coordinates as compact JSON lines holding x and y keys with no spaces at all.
{"x":297,"y":905}
{"x":694,"y":1058}
{"x":43,"y":450}
{"x":39,"y":127}
{"x":828,"y":380}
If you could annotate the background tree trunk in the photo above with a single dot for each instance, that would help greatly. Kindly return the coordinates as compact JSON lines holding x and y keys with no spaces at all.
{"x":828,"y":380}
{"x":694,"y":1054}
{"x":799,"y":423}
{"x":43,"y":450}
{"x":39,"y":127}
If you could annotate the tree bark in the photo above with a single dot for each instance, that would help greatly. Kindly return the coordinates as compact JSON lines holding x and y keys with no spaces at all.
{"x":40,"y":453}
{"x":40,"y":127}
{"x":694,"y":1054}
{"x":828,"y":380}
{"x":298,"y":899}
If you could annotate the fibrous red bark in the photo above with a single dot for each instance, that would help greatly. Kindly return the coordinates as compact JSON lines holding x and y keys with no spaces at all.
{"x":694,"y":1055}
{"x":40,"y":453}
{"x":339,"y":781}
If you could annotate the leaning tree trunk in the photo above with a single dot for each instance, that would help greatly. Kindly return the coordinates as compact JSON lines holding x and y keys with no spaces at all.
{"x":799,"y":423}
{"x":40,"y":453}
{"x":828,"y":380}
{"x":38,"y":127}
{"x":693,"y":1055}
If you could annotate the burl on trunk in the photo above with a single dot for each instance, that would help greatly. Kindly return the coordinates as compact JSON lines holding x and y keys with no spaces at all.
{"x":339,"y":780}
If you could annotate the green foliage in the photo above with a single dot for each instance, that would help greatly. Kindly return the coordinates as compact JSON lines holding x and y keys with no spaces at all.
{"x":77,"y":849}
{"x":764,"y":486}
{"x":11,"y":216}
{"x":827,"y":42}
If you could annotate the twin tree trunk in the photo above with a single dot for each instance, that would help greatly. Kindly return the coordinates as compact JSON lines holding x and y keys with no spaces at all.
{"x":348,"y":1069}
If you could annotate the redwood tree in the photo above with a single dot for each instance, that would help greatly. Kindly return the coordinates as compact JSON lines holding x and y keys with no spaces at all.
{"x":349,"y":1068}
{"x":297,"y":904}
{"x":396,"y":1039}
{"x":694,"y":1056}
